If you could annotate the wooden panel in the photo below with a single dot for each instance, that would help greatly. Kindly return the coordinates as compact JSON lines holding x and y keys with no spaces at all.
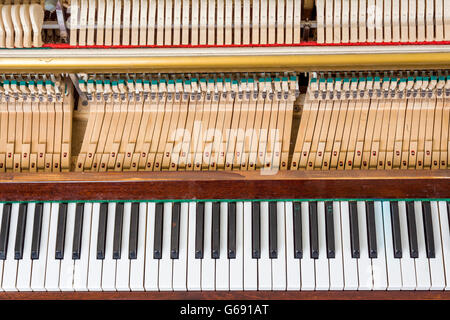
{"x":244,"y":295}
{"x":225,"y":185}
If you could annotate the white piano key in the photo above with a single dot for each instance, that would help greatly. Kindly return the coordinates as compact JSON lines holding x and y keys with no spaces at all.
{"x":81,"y":269}
{"x":422,"y":266}
{"x":95,"y":265}
{"x":109,"y":264}
{"x":123,"y":264}
{"x":53,"y":265}
{"x":379,"y":264}
{"x":137,"y":265}
{"x":208,"y":264}
{"x":364,"y":262}
{"x":407,"y":263}
{"x":237,"y":264}
{"x":250,"y":264}
{"x":394,"y":272}
{"x":436,"y":264}
{"x":25,"y":265}
{"x":306,"y":263}
{"x":292,"y":264}
{"x":1,"y":261}
{"x":67,"y":263}
{"x":264,"y":263}
{"x":350,"y":264}
{"x":39,"y":265}
{"x":322,"y":272}
{"x":180,"y":265}
{"x":336,"y":265}
{"x":279,"y":264}
{"x":151,"y":264}
{"x":445,"y":234}
{"x":222,"y":264}
{"x":194,"y":265}
{"x":165,"y":263}
{"x":10,"y":264}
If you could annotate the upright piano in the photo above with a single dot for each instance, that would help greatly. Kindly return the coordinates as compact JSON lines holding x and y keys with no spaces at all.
{"x":225,"y":149}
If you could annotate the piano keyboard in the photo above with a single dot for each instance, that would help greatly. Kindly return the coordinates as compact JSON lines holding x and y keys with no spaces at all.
{"x":256,"y":245}
{"x":375,"y":122}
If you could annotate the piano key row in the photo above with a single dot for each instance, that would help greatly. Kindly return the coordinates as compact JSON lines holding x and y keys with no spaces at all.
{"x":330,"y":245}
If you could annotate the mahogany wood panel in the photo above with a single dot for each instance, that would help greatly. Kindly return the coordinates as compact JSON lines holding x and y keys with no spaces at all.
{"x":225,"y":185}
{"x":234,"y":295}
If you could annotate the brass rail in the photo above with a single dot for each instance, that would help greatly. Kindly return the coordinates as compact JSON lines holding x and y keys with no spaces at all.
{"x":98,"y":60}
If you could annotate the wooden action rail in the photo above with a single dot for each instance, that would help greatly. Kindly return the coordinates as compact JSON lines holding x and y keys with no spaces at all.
{"x":234,"y":185}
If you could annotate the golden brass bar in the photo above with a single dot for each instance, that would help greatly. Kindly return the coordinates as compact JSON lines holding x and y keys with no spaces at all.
{"x":224,"y":63}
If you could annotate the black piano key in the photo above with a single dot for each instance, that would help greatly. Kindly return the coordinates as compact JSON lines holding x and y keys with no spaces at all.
{"x":199,"y":229}
{"x":4,"y":232}
{"x":157,"y":244}
{"x":297,"y":217}
{"x":175,"y":231}
{"x":61,"y":231}
{"x":273,"y":236}
{"x":428,"y":226}
{"x":354,"y":230}
{"x":371,"y":230}
{"x":448,"y":213}
{"x":118,"y":227}
{"x":134,"y":228}
{"x":101,"y":234}
{"x":313,"y":230}
{"x":412,"y":231}
{"x":215,"y":236}
{"x":396,"y":235}
{"x":20,"y":231}
{"x":77,"y":231}
{"x":37,"y":229}
{"x":231,"y":230}
{"x":256,"y":230}
{"x":329,"y":225}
